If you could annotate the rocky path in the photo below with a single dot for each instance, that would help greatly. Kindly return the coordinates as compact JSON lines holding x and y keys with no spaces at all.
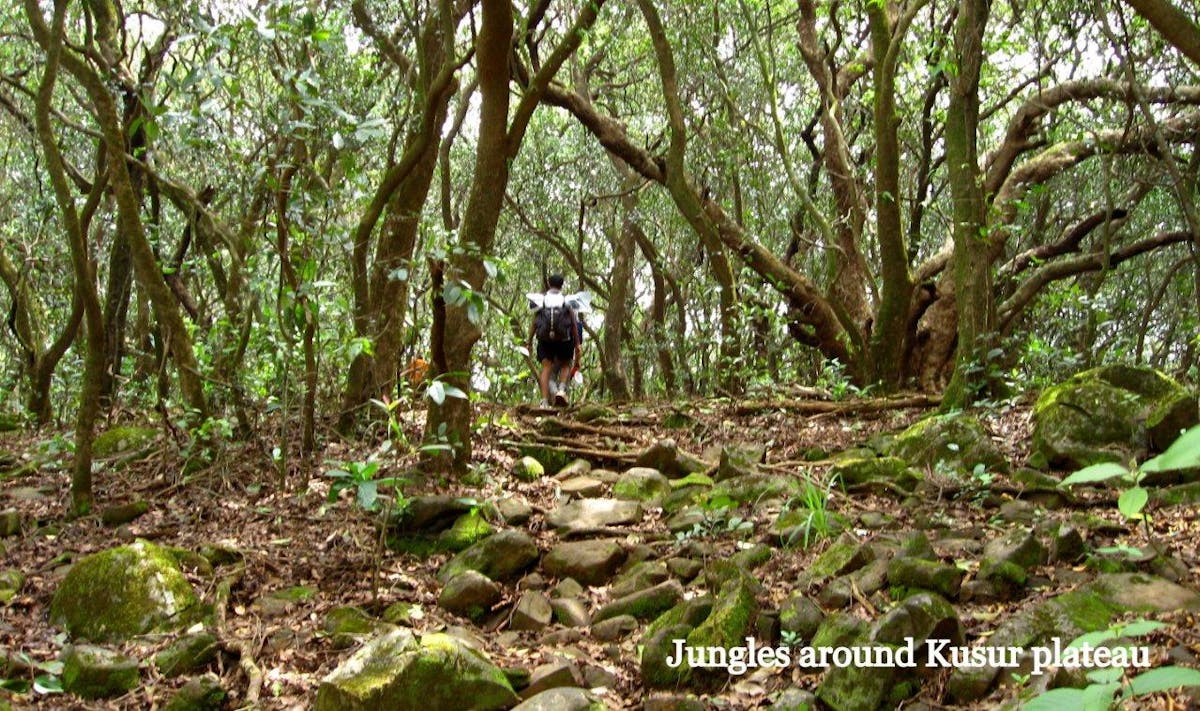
{"x":695,"y":558}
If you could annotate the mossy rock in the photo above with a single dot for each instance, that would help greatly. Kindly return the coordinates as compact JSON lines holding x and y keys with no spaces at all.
{"x":203,"y":693}
{"x":550,"y":459}
{"x":755,"y":488}
{"x":347,"y":625}
{"x":1089,"y":608}
{"x":1105,"y":415}
{"x":642,"y":484}
{"x":956,"y":441}
{"x":11,"y":582}
{"x":528,"y":469}
{"x":658,"y":642}
{"x":501,"y":557}
{"x":122,"y":592}
{"x":95,"y":672}
{"x":397,"y":671}
{"x":886,"y":473}
{"x":468,"y":529}
{"x":123,"y":439}
{"x":187,"y":654}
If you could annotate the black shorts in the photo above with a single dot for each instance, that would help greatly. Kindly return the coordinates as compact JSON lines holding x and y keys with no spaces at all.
{"x":556,"y":351}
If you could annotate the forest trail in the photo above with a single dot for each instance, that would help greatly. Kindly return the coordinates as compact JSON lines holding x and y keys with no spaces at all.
{"x":291,"y":573}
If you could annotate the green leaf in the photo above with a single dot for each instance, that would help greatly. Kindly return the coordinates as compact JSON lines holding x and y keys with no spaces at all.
{"x":1184,"y":453}
{"x":47,"y":684}
{"x":1106,"y":676}
{"x":368,"y":493}
{"x":1099,"y":697}
{"x":1132,"y":501}
{"x":1055,"y":700}
{"x":1162,"y":679}
{"x":1096,"y":472}
{"x":437,"y":392}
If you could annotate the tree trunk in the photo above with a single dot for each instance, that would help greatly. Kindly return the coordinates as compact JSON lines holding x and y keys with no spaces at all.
{"x":971,"y":260}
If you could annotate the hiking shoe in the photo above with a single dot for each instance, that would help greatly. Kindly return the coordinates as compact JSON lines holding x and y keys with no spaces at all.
{"x":560,"y":399}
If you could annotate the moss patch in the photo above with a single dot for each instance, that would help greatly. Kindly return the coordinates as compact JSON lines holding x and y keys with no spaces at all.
{"x":122,"y":592}
{"x":118,"y":440}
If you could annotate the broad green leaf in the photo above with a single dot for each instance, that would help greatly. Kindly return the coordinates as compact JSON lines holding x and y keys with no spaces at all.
{"x":1055,"y":700}
{"x":1096,"y":472}
{"x":368,"y":492}
{"x":1099,"y":697}
{"x":1106,"y":676}
{"x":437,"y":392}
{"x":1184,"y":453}
{"x":1132,"y":501}
{"x":47,"y":684}
{"x":1162,"y":679}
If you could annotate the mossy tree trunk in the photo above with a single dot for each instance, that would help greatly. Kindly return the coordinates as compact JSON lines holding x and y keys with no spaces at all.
{"x":51,"y":40}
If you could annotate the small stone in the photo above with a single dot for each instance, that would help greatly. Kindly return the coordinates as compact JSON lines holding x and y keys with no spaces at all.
{"x":583,"y":487}
{"x":926,"y":575}
{"x":586,"y":514}
{"x":10,"y":523}
{"x":591,"y":562}
{"x":533,"y":581}
{"x":567,"y":587}
{"x":673,"y":703}
{"x":187,"y":654}
{"x":577,"y":468}
{"x":501,"y":557}
{"x":528,"y":469}
{"x":11,"y":582}
{"x":563,"y":699}
{"x":614,"y":628}
{"x":795,"y":700}
{"x":801,"y":617}
{"x":684,"y":568}
{"x":642,"y":484}
{"x":203,"y":693}
{"x":640,"y":576}
{"x":470,"y":594}
{"x":1067,"y":545}
{"x":570,"y":612}
{"x":124,"y":513}
{"x":551,"y":676}
{"x":533,"y":612}
{"x":595,"y":677}
{"x":514,"y":511}
{"x":96,"y":673}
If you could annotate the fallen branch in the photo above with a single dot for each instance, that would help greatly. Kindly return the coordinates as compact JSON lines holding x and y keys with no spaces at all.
{"x":241,"y":648}
{"x":583,"y":452}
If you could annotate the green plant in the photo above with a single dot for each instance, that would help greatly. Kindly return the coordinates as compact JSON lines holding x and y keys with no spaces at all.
{"x":816,"y":522}
{"x":360,"y":476}
{"x":719,"y":518}
{"x":836,"y":380}
{"x":1108,"y":685}
{"x":1184,"y":453}
{"x":48,"y":681}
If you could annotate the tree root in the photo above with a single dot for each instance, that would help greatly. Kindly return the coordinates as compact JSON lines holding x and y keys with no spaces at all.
{"x":821,"y":407}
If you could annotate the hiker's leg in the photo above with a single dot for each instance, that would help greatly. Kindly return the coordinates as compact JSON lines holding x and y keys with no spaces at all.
{"x":544,"y":379}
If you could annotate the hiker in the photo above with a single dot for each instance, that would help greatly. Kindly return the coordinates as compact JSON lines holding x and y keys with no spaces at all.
{"x":556,"y":328}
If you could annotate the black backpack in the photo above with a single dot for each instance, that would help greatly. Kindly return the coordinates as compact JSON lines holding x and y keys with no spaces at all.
{"x":555,"y":323}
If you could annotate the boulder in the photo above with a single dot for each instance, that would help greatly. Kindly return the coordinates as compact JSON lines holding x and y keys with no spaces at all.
{"x":96,"y":673}
{"x":591,"y":562}
{"x":122,"y":592}
{"x":739,"y":460}
{"x":644,"y":604}
{"x":11,"y":582}
{"x":470,"y":594}
{"x":956,"y":441}
{"x":642,"y":484}
{"x":501,"y":557}
{"x":562,"y":699}
{"x":204,"y":693}
{"x":583,"y":487}
{"x":532,"y":612}
{"x":587,"y":514}
{"x":1088,"y":608}
{"x":1106,"y":415}
{"x":570,"y":612}
{"x":396,"y":670}
{"x":430,"y":513}
{"x":187,"y":654}
{"x":468,"y":529}
{"x":665,"y":456}
{"x":528,"y":469}
{"x":925,"y":575}
{"x":1017,"y":548}
{"x":882,"y":474}
{"x":122,"y":439}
